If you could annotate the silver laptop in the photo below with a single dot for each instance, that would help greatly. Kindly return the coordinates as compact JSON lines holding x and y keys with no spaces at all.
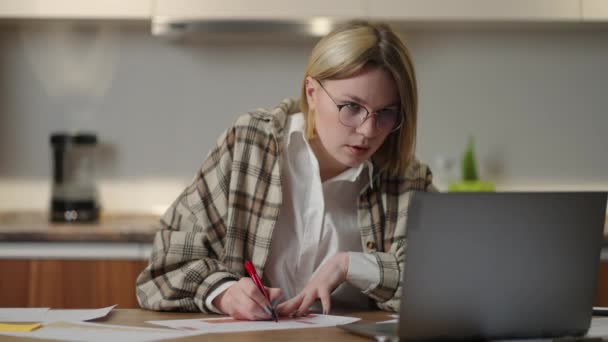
{"x":498,"y":266}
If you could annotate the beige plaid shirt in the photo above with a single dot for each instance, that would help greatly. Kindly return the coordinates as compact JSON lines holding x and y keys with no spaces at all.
{"x":228,"y":213}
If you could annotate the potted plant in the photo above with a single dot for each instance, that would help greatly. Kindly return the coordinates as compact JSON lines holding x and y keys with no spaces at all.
{"x":470,"y":178}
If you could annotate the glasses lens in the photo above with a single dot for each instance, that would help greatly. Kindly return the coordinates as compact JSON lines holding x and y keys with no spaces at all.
{"x":352,"y":115}
{"x":387,"y":120}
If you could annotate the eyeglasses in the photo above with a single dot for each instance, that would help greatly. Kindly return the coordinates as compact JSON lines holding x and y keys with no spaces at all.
{"x":354,"y":115}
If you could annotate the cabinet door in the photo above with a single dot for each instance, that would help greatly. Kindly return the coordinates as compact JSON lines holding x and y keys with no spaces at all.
{"x":69,"y":283}
{"x":595,"y":10}
{"x":476,"y":10}
{"x":75,"y":9}
{"x":168,"y":10}
{"x":14,"y":275}
{"x":602,"y":289}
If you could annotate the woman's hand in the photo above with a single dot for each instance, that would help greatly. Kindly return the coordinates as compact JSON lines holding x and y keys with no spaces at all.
{"x":244,"y":301}
{"x":324,"y":282}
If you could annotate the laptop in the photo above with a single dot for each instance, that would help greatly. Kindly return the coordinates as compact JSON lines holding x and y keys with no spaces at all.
{"x":498,"y":266}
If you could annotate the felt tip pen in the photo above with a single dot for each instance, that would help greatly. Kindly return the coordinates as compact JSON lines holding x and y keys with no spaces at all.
{"x":256,"y":280}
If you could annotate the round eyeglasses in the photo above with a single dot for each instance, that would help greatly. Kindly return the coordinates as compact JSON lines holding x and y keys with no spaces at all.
{"x":354,"y":115}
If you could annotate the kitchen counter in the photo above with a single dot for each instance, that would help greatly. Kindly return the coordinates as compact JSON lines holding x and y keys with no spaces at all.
{"x":29,"y":235}
{"x":119,"y":228}
{"x":116,"y":236}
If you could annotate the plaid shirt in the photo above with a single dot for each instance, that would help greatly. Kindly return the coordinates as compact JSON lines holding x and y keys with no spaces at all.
{"x":228,"y":213}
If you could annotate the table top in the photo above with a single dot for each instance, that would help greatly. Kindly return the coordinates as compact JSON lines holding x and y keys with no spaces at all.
{"x":138,"y":317}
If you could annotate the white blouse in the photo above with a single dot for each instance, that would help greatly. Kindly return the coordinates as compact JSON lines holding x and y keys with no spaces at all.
{"x":316,"y":221}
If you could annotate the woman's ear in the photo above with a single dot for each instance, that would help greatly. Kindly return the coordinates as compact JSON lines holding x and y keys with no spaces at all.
{"x":310,"y":92}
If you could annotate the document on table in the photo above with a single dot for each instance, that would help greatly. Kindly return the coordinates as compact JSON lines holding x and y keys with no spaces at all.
{"x":94,"y":332}
{"x":228,"y":324}
{"x":14,"y":315}
{"x":599,"y":327}
{"x":54,"y":315}
{"x":394,"y":320}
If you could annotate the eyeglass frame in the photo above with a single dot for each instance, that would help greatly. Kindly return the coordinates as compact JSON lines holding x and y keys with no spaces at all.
{"x":367,"y":116}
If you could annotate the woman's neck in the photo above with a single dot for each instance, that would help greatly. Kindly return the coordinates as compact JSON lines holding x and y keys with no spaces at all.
{"x":328,"y":166}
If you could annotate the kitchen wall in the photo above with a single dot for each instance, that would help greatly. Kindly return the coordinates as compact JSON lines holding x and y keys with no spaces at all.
{"x":534,"y":99}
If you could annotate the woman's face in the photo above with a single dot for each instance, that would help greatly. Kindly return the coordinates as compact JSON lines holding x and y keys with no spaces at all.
{"x":339,"y":147}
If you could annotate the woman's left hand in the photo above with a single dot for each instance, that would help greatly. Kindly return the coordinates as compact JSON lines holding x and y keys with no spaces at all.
{"x":324,"y":282}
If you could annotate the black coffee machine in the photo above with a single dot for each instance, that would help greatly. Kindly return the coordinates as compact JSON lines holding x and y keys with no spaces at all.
{"x":74,"y":193}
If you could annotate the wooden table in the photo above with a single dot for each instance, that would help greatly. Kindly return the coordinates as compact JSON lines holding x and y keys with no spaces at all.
{"x":137,"y":317}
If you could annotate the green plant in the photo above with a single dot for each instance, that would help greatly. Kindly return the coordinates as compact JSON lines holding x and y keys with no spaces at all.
{"x":469,"y":165}
{"x":470,"y":178}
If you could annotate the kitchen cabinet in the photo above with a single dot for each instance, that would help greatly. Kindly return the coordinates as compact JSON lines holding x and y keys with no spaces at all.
{"x":74,"y":9}
{"x":401,"y":11}
{"x":398,"y":10}
{"x":69,"y":283}
{"x":602,"y":290}
{"x":594,"y":10}
{"x":175,"y":17}
{"x":258,"y":10}
{"x":476,"y":10}
{"x":100,"y":283}
{"x":71,"y":265}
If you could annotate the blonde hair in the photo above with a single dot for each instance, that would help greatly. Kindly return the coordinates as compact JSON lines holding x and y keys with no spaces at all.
{"x":348,"y":49}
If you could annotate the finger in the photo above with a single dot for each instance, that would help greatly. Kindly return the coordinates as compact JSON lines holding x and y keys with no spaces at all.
{"x":275,"y":294}
{"x":254,"y":293}
{"x":325,"y":301}
{"x":288,"y":307}
{"x":248,"y":308}
{"x":306,"y":304}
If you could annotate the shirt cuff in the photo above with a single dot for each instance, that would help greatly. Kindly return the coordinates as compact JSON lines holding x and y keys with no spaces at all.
{"x":363,"y":271}
{"x":216,"y":292}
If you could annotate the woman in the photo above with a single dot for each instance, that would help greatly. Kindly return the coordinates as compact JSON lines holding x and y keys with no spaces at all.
{"x":315,"y":197}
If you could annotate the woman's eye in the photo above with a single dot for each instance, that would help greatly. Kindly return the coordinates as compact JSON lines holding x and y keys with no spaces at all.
{"x":353,"y":106}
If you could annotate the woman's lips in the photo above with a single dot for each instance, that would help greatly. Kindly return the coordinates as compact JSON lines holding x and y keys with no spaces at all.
{"x":357,"y":150}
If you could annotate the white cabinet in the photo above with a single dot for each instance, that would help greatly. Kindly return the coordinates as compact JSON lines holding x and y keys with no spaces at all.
{"x":75,"y":9}
{"x":476,"y":10}
{"x":594,"y":10}
{"x":174,"y":10}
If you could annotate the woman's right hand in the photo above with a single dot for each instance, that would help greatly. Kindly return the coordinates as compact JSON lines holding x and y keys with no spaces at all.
{"x":244,"y":301}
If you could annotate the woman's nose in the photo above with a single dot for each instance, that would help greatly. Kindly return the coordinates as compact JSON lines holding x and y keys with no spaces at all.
{"x":368,"y":127}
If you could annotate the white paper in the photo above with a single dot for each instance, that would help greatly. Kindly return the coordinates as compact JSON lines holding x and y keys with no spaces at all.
{"x":228,"y":324}
{"x":94,"y":332}
{"x":394,"y":320}
{"x":22,"y":314}
{"x":65,"y":315}
{"x":599,"y":327}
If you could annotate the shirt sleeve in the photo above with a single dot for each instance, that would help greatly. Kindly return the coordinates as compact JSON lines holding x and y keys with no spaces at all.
{"x":216,"y":292}
{"x":391,"y":261}
{"x":363,"y":271}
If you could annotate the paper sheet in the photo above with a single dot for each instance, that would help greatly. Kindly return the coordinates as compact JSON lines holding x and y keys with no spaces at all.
{"x":54,"y":315}
{"x":228,"y":324}
{"x":599,"y":327}
{"x":14,"y":315}
{"x":394,"y":320}
{"x":93,"y":332}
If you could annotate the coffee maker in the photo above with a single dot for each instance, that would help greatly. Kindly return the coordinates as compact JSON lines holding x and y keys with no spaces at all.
{"x":74,"y":193}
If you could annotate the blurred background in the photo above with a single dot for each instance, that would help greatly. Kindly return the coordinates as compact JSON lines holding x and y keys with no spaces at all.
{"x":530,"y":90}
{"x":157,"y":81}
